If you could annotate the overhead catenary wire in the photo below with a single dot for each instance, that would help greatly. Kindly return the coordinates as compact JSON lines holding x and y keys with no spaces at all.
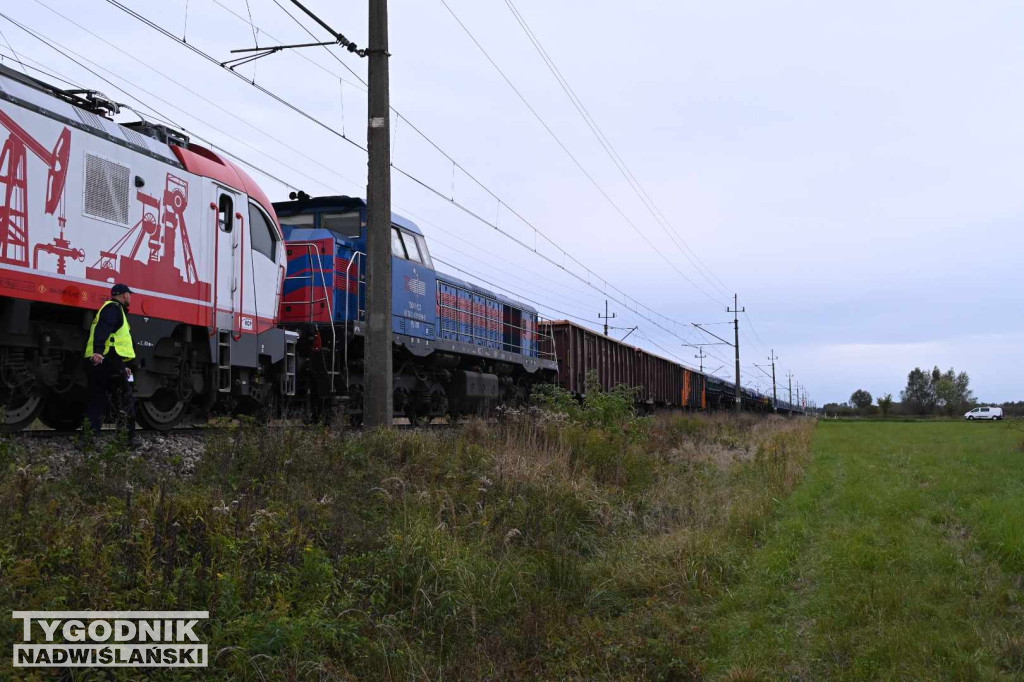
{"x":614,"y":155}
{"x":81,"y":61}
{"x":566,"y":255}
{"x":13,"y":52}
{"x":631,"y":302}
{"x":42,"y":69}
{"x":573,"y":158}
{"x":247,"y":163}
{"x":154,"y":111}
{"x":455,"y":164}
{"x":266,"y":34}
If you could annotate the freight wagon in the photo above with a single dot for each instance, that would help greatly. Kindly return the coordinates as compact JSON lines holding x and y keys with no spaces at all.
{"x":660,"y":383}
{"x":722,"y":396}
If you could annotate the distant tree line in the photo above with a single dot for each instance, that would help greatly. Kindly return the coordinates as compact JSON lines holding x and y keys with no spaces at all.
{"x":944,"y":392}
{"x":926,"y":393}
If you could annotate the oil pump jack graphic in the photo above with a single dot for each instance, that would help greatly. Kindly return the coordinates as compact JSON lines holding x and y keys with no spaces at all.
{"x":14,"y":228}
{"x":163,"y":225}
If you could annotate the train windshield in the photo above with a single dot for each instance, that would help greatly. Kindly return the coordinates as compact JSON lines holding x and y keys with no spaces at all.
{"x":421,"y":244}
{"x":345,"y":225}
{"x":297,"y":220}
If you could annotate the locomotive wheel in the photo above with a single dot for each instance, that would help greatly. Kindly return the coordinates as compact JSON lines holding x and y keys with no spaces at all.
{"x":61,"y":415}
{"x":20,"y":411}
{"x":416,"y":418}
{"x":162,"y":412}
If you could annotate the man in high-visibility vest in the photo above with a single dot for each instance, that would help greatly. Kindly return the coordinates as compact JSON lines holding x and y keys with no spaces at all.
{"x":108,"y":352}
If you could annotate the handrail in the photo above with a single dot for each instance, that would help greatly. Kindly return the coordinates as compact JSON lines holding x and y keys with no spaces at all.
{"x":359,"y":281}
{"x":241,"y":285}
{"x":216,"y":264}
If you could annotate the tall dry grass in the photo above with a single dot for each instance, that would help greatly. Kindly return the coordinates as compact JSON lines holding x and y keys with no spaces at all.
{"x":548,"y":546}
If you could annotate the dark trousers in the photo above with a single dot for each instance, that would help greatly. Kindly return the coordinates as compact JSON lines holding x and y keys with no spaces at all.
{"x":107,"y":381}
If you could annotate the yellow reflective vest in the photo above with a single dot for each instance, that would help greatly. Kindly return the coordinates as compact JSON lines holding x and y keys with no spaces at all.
{"x":120,"y":340}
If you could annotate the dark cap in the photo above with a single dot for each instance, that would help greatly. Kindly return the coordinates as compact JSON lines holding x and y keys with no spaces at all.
{"x":119,"y":289}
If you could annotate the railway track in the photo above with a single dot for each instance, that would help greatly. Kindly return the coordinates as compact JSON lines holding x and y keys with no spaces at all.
{"x":205,"y":430}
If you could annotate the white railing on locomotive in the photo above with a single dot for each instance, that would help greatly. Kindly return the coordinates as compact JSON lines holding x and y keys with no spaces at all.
{"x":311,"y":248}
{"x":357,"y":258}
{"x":545,"y":323}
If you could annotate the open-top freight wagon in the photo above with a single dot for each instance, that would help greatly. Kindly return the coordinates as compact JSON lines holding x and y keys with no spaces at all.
{"x":660,"y":383}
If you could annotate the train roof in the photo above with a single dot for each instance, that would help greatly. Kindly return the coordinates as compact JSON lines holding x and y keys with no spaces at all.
{"x":88,"y":110}
{"x":77,"y":112}
{"x":339,"y":202}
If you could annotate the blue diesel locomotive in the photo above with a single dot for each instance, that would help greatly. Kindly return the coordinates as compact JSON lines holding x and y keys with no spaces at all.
{"x":458,"y":348}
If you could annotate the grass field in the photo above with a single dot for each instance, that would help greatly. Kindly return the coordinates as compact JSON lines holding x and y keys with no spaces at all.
{"x":586,"y":545}
{"x":900,"y":557}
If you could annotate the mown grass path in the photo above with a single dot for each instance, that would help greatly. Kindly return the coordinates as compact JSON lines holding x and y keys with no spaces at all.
{"x":900,"y":557}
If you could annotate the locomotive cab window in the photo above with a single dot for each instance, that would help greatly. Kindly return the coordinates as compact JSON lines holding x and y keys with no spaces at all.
{"x":225,"y":213}
{"x":424,"y":254}
{"x":297,"y":220}
{"x":411,"y":246}
{"x":397,"y":246}
{"x":262,"y":236}
{"x":345,"y":225}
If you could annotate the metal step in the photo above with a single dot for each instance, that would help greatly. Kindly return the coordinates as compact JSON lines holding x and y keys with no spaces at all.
{"x":291,"y":340}
{"x":224,"y":362}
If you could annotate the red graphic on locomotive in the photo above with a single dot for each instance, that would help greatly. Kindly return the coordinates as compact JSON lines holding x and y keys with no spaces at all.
{"x":14,"y":227}
{"x":158,"y":272}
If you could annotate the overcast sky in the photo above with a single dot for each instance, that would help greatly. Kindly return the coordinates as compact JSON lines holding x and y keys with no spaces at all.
{"x":853,"y":171}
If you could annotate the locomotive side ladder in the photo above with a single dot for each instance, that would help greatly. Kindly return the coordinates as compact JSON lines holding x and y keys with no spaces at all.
{"x":223,"y":361}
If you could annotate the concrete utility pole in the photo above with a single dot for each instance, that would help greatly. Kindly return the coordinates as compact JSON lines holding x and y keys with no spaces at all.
{"x":701,"y":356}
{"x":735,"y":310}
{"x":377,"y":401}
{"x":606,"y":317}
{"x":790,"y":392}
{"x":775,"y":394}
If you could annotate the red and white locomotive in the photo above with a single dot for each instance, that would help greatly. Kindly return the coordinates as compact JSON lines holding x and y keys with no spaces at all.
{"x":85,"y":202}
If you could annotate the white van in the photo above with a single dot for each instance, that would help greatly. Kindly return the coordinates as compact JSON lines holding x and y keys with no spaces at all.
{"x":984,"y":413}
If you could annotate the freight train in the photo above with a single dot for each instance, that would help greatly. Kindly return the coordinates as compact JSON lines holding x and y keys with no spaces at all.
{"x":241,"y":304}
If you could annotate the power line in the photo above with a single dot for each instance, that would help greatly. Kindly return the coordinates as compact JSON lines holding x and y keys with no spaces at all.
{"x":613,"y":154}
{"x":565,"y":254}
{"x":537,"y":232}
{"x":176,"y":124}
{"x":258,"y":169}
{"x":180,"y":127}
{"x":454,"y":163}
{"x":572,"y":157}
{"x":81,"y":60}
{"x":361,"y":80}
{"x":13,"y":52}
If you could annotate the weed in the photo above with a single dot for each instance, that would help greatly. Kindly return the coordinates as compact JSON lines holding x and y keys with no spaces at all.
{"x":571,"y":540}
